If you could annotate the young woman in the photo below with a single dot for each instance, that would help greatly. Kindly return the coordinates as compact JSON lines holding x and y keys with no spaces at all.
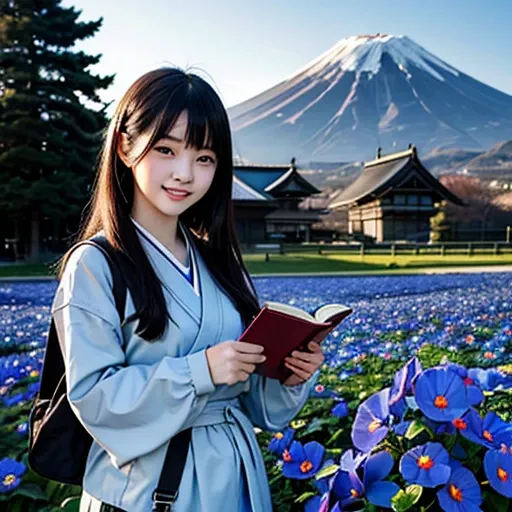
{"x":163,"y":198}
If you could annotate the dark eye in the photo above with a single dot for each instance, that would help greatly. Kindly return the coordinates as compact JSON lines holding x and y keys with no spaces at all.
{"x":164,"y":150}
{"x":206,"y":159}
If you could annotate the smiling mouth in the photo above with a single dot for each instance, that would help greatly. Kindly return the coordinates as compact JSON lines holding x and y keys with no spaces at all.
{"x":176,"y":193}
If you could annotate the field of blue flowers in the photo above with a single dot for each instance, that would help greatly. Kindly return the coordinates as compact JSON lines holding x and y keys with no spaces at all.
{"x":412,"y":410}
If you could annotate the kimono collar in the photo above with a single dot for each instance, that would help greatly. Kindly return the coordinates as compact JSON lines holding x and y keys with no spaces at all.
{"x":185,"y":269}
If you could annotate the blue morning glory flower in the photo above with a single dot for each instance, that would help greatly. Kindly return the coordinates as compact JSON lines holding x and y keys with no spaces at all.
{"x":281,"y":441}
{"x":10,"y":474}
{"x":404,"y":380}
{"x":462,"y":425}
{"x":347,"y":488}
{"x":461,"y":493}
{"x":491,"y":432}
{"x":371,"y":422}
{"x":490,"y":379}
{"x":426,"y":465}
{"x":441,"y":394}
{"x":475,"y":395}
{"x":340,"y":409}
{"x":498,"y":469}
{"x":303,"y":461}
{"x":376,"y":468}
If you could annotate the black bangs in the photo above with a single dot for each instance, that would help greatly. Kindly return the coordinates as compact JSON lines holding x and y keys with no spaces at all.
{"x":207,"y":122}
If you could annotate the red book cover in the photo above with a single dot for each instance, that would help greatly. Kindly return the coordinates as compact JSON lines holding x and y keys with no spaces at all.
{"x":281,"y":333}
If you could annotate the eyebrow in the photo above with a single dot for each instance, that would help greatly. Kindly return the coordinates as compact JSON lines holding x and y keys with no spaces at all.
{"x":172,"y":138}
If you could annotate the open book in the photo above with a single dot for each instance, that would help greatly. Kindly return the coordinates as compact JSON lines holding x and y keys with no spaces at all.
{"x":281,"y":329}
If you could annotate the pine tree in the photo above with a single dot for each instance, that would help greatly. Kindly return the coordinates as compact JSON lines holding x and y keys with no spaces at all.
{"x":51,"y":116}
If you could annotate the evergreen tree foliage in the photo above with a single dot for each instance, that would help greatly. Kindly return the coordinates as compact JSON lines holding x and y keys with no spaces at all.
{"x":51,"y":116}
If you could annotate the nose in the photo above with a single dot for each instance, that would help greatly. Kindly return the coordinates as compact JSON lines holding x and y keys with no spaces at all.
{"x":182,"y":169}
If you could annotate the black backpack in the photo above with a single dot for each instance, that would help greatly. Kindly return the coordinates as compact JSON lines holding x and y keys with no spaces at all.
{"x":58,"y":444}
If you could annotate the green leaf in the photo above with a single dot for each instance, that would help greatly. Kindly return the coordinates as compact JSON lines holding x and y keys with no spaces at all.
{"x":316,"y":425}
{"x":414,"y":491}
{"x":404,"y":500}
{"x":32,"y":491}
{"x":335,"y":436}
{"x":303,"y":497}
{"x":327,"y":471}
{"x":415,"y":428}
{"x":495,"y":502}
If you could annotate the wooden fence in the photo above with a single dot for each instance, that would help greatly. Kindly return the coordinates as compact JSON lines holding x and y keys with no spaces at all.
{"x":391,"y":249}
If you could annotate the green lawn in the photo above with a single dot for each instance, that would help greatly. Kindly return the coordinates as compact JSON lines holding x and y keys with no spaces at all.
{"x":26,"y":270}
{"x":313,"y":262}
{"x":307,"y":263}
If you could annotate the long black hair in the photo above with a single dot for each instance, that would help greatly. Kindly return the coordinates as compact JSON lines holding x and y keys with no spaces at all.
{"x":151,"y":106}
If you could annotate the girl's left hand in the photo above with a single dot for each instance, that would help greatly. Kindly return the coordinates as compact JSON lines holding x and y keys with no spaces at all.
{"x":303,"y":364}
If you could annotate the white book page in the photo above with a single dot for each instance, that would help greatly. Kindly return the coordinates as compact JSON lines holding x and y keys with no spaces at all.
{"x":326,"y":312}
{"x":290,"y":310}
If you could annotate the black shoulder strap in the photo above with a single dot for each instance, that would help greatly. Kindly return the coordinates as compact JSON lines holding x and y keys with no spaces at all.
{"x":119,"y":286}
{"x":53,"y":365}
{"x":166,"y":491}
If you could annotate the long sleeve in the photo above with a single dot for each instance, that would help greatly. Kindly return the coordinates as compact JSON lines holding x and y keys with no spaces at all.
{"x":130,"y":410}
{"x":271,"y":405}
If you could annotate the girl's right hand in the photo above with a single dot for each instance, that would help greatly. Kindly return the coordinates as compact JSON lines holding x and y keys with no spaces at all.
{"x":233,"y":361}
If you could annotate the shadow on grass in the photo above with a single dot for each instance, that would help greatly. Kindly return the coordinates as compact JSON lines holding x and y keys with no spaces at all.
{"x":303,"y":264}
{"x":312,"y":263}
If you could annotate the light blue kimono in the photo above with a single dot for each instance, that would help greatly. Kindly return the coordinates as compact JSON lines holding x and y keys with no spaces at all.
{"x":133,"y":395}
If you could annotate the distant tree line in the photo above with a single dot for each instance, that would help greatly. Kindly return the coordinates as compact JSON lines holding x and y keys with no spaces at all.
{"x":482,"y":218}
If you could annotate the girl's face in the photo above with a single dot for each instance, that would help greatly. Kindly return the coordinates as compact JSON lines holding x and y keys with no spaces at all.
{"x":172,"y":177}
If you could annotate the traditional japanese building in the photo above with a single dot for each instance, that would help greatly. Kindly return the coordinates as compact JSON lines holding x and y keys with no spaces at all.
{"x":266,"y":202}
{"x":393,"y":198}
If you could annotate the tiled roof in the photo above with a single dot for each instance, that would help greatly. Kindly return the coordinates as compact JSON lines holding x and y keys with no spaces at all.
{"x":268,"y":180}
{"x":387,"y":172}
{"x":243,"y":192}
{"x":259,"y":177}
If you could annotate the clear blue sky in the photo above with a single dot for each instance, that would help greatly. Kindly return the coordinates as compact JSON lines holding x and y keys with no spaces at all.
{"x":248,"y":46}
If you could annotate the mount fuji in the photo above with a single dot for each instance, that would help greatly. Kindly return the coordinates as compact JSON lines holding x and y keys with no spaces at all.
{"x":369,"y":91}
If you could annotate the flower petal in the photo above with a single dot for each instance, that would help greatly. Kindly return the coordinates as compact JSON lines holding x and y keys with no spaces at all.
{"x":500,"y":482}
{"x":365,"y":432}
{"x":377,"y":467}
{"x":343,"y":486}
{"x":314,"y":453}
{"x":380,"y":493}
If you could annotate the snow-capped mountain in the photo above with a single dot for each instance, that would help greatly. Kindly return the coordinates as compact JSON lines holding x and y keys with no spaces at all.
{"x":369,"y":91}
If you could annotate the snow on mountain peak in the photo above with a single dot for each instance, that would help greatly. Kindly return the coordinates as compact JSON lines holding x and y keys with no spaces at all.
{"x":370,"y":91}
{"x":363,"y":53}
